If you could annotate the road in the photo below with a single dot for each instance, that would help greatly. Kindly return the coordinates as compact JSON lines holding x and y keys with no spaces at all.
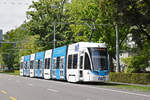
{"x":24,"y":88}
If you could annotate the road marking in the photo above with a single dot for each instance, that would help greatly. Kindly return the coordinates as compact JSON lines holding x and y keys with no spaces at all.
{"x":9,"y":79}
{"x":87,"y":86}
{"x":88,"y":99}
{"x":30,"y":84}
{"x":12,"y":98}
{"x":18,"y":81}
{"x":4,"y":92}
{"x":130,"y":93}
{"x":53,"y":90}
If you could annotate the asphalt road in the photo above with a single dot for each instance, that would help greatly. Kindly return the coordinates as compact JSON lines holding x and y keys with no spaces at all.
{"x":24,"y":88}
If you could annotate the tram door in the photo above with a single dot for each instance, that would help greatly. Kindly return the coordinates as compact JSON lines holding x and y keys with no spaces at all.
{"x":84,"y":67}
{"x":81,"y":65}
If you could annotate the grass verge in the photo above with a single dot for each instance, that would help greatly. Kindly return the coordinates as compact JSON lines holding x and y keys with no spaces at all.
{"x":140,"y":88}
{"x":134,"y":88}
{"x":15,"y":72}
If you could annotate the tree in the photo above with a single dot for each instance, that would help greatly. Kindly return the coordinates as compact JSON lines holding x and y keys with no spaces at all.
{"x":42,"y":20}
{"x":103,"y":14}
{"x":135,"y":14}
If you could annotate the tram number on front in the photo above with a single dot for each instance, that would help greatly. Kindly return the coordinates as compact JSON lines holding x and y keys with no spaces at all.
{"x":101,"y":78}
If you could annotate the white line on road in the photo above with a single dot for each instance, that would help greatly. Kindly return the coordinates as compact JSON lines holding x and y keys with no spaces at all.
{"x":88,"y":99}
{"x":129,"y":93}
{"x":125,"y":92}
{"x":53,"y":90}
{"x":30,"y":84}
{"x":18,"y":81}
{"x":9,"y":79}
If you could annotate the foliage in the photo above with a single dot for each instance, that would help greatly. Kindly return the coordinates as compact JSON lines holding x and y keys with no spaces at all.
{"x":99,"y":12}
{"x":139,"y":62}
{"x":19,"y":44}
{"x":46,"y":13}
{"x":136,"y":78}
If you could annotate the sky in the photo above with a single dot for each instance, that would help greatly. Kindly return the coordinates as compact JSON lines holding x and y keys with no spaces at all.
{"x":13,"y":13}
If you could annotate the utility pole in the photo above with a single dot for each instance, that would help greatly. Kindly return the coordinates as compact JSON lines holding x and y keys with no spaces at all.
{"x":54,"y":34}
{"x":1,"y":36}
{"x":117,"y":50}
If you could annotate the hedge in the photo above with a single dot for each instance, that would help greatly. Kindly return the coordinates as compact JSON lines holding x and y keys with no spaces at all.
{"x":135,"y":78}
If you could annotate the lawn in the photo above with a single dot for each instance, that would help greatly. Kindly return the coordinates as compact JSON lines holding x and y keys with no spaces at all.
{"x":142,"y":88}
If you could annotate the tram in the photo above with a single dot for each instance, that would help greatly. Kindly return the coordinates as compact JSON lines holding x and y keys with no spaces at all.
{"x":78,"y":62}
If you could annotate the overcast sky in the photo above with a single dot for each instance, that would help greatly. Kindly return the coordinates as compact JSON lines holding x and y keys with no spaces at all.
{"x":13,"y":13}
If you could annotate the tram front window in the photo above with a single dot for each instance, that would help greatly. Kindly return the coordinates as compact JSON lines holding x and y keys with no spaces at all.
{"x":99,"y":58}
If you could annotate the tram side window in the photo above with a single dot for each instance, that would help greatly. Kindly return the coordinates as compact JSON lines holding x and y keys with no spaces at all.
{"x":31,"y":64}
{"x":48,"y":63}
{"x":21,"y":65}
{"x":39,"y":65}
{"x":25,"y":65}
{"x":87,"y":65}
{"x":58,"y":61}
{"x":54,"y":63}
{"x":69,"y":61}
{"x":62,"y":63}
{"x":81,"y":62}
{"x":36,"y":64}
{"x":75,"y":61}
{"x":45,"y":63}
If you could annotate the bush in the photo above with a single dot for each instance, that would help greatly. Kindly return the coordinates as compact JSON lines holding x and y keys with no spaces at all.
{"x":135,"y":78}
{"x":135,"y":63}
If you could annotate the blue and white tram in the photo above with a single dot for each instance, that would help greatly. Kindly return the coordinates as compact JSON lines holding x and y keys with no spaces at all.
{"x":82,"y":61}
{"x":39,"y":68}
{"x":87,"y":62}
{"x":47,"y":64}
{"x":32,"y":64}
{"x":21,"y":66}
{"x":26,"y":68}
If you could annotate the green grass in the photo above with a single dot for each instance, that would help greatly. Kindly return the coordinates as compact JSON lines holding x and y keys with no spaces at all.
{"x":15,"y":72}
{"x":140,"y":88}
{"x":134,"y":88}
